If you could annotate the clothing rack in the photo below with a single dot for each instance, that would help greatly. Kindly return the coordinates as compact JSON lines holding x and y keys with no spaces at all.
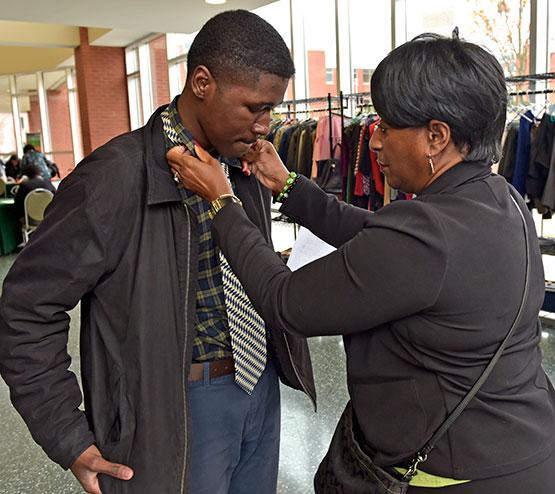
{"x":530,"y":77}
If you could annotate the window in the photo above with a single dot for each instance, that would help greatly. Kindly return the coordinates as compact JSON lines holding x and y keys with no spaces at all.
{"x":367,"y":51}
{"x":178,"y":46}
{"x":366,"y":74}
{"x":278,"y":15}
{"x":315,"y":48}
{"x":139,"y":83}
{"x":7,"y":132}
{"x":134,"y":87}
{"x":501,"y":26}
{"x":551,"y":47}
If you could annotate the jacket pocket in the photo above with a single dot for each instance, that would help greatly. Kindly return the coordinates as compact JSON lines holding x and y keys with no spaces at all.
{"x":120,"y":426}
{"x":390,"y":416}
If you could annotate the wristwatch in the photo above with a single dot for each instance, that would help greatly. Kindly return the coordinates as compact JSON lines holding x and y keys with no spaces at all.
{"x":220,"y":202}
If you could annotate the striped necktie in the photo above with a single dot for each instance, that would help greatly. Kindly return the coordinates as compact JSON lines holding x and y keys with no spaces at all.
{"x":246,"y":328}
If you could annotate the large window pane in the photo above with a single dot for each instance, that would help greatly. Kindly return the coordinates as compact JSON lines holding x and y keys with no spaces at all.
{"x":551,"y":46}
{"x":131,"y":60}
{"x":501,"y":26}
{"x":29,"y":109}
{"x":7,"y":133}
{"x":278,"y":15}
{"x":178,"y":44}
{"x":178,"y":76}
{"x":315,"y":38}
{"x":135,"y":106}
{"x":367,"y":52}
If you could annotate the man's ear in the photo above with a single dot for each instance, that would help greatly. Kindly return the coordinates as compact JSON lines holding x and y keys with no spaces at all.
{"x":203,"y":84}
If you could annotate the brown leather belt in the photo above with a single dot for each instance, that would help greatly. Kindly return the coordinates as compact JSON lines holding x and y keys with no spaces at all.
{"x":217,"y":368}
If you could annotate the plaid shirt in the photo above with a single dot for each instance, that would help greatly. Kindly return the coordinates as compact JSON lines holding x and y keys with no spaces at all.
{"x":212,"y":340}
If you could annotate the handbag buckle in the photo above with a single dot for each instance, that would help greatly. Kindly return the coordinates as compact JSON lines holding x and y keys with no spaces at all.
{"x":412,"y":470}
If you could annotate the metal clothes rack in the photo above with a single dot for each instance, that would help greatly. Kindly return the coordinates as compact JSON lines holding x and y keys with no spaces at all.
{"x":533,"y":78}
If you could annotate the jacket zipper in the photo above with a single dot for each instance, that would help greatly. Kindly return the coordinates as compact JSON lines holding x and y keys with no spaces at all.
{"x":184,"y":370}
{"x":268,"y":229}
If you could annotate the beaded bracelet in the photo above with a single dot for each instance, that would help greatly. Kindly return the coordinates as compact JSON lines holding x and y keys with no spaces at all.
{"x":292,"y":179}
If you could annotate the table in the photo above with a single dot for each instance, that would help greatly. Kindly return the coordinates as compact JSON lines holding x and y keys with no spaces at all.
{"x":10,"y":227}
{"x":9,"y":188}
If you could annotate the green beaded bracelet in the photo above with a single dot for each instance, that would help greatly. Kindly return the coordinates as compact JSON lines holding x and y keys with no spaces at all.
{"x":289,"y":184}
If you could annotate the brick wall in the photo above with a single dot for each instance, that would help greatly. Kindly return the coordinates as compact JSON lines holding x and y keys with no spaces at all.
{"x":60,"y":129}
{"x":102,"y":89}
{"x":159,"y":69}
{"x":34,"y":114}
{"x":317,"y":85}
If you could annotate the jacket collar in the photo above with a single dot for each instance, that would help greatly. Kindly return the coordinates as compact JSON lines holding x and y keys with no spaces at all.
{"x":161,"y":186}
{"x":464,"y":172}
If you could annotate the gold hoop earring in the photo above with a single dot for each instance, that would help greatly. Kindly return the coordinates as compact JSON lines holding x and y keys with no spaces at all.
{"x":431,"y":163}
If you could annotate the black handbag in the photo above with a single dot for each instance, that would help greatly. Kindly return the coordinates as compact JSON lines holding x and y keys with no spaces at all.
{"x":347,"y":469}
{"x":328,"y":176}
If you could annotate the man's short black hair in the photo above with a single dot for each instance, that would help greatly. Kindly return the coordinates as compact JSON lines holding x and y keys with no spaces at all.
{"x":28,"y":147}
{"x":33,"y":170}
{"x":446,"y":79}
{"x":240,"y":45}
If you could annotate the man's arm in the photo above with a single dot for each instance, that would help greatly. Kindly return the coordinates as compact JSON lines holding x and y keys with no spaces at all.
{"x":63,"y":261}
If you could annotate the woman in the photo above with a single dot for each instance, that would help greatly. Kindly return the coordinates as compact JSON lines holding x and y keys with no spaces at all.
{"x":423,"y":291}
{"x":13,"y":170}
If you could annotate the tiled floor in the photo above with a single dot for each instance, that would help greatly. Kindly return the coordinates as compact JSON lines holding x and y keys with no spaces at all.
{"x":24,"y":469}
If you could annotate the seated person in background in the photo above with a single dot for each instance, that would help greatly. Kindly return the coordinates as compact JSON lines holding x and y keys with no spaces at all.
{"x":35,"y":181}
{"x":32,"y":156}
{"x":13,"y":169}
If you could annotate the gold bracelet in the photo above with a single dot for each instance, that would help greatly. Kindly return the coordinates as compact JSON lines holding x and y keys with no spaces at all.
{"x":220,"y":202}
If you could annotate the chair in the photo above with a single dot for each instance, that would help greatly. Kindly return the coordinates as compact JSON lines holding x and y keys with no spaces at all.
{"x":34,"y":206}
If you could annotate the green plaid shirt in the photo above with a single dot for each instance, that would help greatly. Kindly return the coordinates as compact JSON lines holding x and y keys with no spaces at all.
{"x":212,"y":340}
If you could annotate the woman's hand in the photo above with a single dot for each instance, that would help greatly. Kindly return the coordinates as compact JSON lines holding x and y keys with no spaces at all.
{"x":265,"y":163}
{"x":204,"y":175}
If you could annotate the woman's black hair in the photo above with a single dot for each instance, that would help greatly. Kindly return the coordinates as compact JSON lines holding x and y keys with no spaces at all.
{"x":437,"y":78}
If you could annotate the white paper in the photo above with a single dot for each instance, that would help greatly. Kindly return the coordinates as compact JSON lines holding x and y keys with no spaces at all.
{"x":307,"y":248}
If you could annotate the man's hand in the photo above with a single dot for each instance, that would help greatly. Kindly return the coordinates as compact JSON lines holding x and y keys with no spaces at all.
{"x":90,"y":463}
{"x":203,"y":175}
{"x":262,"y":159}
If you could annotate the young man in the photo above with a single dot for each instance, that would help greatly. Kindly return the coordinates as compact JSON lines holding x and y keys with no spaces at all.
{"x":169,"y":406}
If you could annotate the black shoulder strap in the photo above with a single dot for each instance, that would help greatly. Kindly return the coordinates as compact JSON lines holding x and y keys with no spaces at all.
{"x":422,"y":455}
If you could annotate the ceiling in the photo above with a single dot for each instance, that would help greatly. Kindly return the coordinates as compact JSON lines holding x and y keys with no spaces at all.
{"x":41,"y":35}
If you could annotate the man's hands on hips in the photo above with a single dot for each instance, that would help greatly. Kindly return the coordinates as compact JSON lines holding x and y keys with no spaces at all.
{"x":90,"y":463}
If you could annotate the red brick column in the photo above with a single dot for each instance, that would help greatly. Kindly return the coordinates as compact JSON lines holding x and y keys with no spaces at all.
{"x":102,"y":90}
{"x":34,"y":114}
{"x":60,"y":129}
{"x":159,"y":69}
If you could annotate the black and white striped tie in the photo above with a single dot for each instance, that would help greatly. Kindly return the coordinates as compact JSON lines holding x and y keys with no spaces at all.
{"x":247,"y":331}
{"x":246,"y":328}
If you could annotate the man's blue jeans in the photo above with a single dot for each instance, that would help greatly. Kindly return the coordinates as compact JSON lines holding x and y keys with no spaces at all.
{"x":235,"y":437}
